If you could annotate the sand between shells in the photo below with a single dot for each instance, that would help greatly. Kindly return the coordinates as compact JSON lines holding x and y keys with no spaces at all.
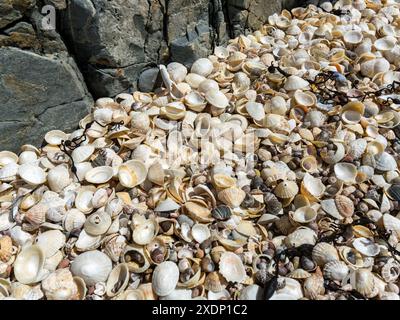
{"x":268,"y":170}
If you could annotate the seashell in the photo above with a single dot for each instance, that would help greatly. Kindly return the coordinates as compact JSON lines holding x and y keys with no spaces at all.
{"x":208,"y":84}
{"x":221,"y":213}
{"x":391,"y":224}
{"x":385,"y":162}
{"x":294,"y":83}
{"x":194,"y":80}
{"x":132,"y":173}
{"x":255,"y":110}
{"x":55,"y":137}
{"x":92,"y":266}
{"x":353,"y":37}
{"x":232,"y":196}
{"x":385,"y":44}
{"x":74,"y":219}
{"x":50,"y":242}
{"x":195,"y":101}
{"x":278,"y":105}
{"x":200,"y":232}
{"x":309,"y":164}
{"x":336,"y":156}
{"x":143,"y":230}
{"x":87,"y":242}
{"x":178,"y":294}
{"x":364,"y":283}
{"x":28,"y":266}
{"x":97,"y":223}
{"x":82,"y":153}
{"x":344,"y":206}
{"x":305,"y":99}
{"x":304,"y":215}
{"x":167,"y":205}
{"x":311,"y":187}
{"x":58,"y":178}
{"x":323,"y":253}
{"x":346,"y":172}
{"x":20,"y":237}
{"x":99,"y":175}
{"x":7,"y":157}
{"x":165,"y":278}
{"x":336,"y":270}
{"x":6,"y":249}
{"x":231,"y":267}
{"x":371,"y":67}
{"x":366,"y":247}
{"x":37,"y":214}
{"x":286,"y":189}
{"x":299,"y":274}
{"x":217,"y":99}
{"x":300,"y":236}
{"x":32,"y":174}
{"x":202,"y":67}
{"x":135,"y":259}
{"x":117,"y":280}
{"x":314,"y":286}
{"x":213,"y":282}
{"x":103,"y":115}
{"x":9,"y":172}
{"x":251,"y":292}
{"x":83,"y":200}
{"x":351,"y":257}
{"x":390,"y":271}
{"x":60,"y":285}
{"x":174,"y":110}
{"x":177,"y":71}
{"x":27,"y":157}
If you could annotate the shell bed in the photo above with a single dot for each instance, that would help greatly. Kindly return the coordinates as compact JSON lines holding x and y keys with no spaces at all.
{"x":269,"y":170}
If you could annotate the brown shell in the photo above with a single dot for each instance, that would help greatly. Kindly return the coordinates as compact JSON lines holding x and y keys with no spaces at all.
{"x":286,"y":189}
{"x":37,"y":214}
{"x":344,"y":205}
{"x":5,"y":248}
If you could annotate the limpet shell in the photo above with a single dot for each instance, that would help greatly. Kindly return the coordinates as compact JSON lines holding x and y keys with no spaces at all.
{"x":97,"y":223}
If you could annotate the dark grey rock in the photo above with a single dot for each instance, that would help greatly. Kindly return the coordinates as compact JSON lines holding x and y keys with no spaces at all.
{"x":37,"y":94}
{"x":147,"y":79}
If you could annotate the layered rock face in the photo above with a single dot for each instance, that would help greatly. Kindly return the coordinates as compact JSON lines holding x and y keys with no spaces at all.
{"x":105,"y":48}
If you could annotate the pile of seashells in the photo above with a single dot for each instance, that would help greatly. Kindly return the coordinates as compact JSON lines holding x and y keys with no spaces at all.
{"x":269,"y":170}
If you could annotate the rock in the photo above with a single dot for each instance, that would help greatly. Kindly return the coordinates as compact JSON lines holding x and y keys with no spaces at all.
{"x":147,"y":79}
{"x":37,"y":94}
{"x":113,"y":40}
{"x":12,"y":10}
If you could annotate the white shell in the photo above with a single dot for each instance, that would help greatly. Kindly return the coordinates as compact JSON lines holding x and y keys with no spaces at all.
{"x":92,"y":266}
{"x":200,"y":232}
{"x":99,"y":175}
{"x":58,"y":178}
{"x":255,"y":110}
{"x":165,"y":278}
{"x":82,"y":153}
{"x":28,"y":266}
{"x":202,"y":66}
{"x":366,"y":247}
{"x":231,"y":267}
{"x":51,"y":241}
{"x":32,"y":174}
